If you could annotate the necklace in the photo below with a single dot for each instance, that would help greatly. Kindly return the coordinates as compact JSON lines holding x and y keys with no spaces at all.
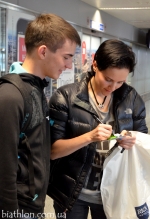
{"x":101,"y":105}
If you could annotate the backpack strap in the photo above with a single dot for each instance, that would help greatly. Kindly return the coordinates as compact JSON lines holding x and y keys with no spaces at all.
{"x":16,"y":80}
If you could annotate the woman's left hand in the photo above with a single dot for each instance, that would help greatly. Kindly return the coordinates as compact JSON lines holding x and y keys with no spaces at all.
{"x":127,"y":141}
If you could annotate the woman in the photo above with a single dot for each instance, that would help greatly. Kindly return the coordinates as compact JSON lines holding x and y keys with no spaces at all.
{"x":78,"y":138}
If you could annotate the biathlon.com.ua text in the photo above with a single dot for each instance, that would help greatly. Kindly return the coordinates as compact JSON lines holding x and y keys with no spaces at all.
{"x":18,"y":214}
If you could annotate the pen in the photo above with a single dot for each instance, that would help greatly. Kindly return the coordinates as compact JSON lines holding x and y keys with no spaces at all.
{"x":122,"y":150}
{"x":97,"y":119}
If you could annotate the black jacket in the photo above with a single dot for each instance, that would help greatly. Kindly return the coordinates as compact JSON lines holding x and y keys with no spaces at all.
{"x":14,"y":180}
{"x":72,"y":114}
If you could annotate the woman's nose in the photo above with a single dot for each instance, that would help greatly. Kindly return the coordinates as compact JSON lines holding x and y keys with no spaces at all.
{"x":113,"y":87}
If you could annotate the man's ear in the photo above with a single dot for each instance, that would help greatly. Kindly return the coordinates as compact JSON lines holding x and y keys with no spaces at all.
{"x":94,"y":65}
{"x":42,"y":51}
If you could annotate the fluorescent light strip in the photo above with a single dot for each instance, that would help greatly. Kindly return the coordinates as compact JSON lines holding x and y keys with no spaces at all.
{"x":142,"y":8}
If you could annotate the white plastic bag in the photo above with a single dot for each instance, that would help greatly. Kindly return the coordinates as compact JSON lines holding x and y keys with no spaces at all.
{"x":125,"y":186}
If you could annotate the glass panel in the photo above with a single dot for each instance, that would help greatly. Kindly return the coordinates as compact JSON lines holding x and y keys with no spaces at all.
{"x":86,"y":52}
{"x":2,"y":41}
{"x":95,"y":43}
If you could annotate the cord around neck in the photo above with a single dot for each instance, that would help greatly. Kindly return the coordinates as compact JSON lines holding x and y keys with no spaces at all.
{"x":101,"y":105}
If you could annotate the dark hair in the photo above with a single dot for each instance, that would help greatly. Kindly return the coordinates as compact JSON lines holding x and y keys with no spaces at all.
{"x":115,"y":53}
{"x":50,"y":30}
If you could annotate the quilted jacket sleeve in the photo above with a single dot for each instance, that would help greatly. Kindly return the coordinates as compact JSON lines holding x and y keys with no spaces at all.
{"x":130,"y":114}
{"x":58,"y":115}
{"x":139,"y":115}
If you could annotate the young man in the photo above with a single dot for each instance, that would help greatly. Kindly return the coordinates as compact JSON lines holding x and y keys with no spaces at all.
{"x":50,"y":45}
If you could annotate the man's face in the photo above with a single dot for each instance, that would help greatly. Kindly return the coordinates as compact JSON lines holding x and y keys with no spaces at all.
{"x":56,"y":62}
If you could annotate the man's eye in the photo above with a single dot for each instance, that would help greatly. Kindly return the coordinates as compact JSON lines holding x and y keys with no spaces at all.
{"x":66,"y":58}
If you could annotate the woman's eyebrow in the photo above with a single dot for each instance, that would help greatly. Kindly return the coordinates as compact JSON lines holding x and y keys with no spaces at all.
{"x":113,"y":80}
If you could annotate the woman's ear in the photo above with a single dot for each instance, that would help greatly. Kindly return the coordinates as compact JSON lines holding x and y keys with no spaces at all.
{"x":94,"y":65}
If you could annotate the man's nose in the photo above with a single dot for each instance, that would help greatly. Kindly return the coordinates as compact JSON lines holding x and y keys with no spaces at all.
{"x":69,"y":65}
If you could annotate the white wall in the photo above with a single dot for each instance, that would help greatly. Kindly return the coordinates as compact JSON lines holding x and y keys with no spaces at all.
{"x":79,"y":13}
{"x":141,"y":79}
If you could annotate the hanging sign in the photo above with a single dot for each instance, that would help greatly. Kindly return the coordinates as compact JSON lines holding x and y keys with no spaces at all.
{"x":96,"y":25}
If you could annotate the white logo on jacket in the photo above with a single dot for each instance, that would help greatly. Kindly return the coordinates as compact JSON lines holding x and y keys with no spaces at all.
{"x":47,"y":117}
{"x":128,"y":111}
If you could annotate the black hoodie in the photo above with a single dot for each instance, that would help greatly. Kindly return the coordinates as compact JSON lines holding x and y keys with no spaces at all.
{"x":14,"y":194}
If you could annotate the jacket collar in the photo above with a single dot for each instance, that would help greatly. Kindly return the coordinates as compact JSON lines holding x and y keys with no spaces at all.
{"x":34,"y":80}
{"x":82,"y":97}
{"x":121,"y":93}
{"x":82,"y":93}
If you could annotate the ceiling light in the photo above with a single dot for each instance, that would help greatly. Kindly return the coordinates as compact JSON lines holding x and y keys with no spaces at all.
{"x":140,"y":8}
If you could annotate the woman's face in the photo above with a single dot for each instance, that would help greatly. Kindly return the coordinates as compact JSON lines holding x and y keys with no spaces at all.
{"x":110,"y":79}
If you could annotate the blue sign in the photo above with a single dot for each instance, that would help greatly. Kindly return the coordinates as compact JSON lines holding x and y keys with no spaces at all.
{"x":101,"y":27}
{"x":96,"y":25}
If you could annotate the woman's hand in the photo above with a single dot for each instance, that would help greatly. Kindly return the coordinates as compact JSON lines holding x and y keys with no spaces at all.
{"x":65,"y":147}
{"x":100,"y":133}
{"x":127,"y":141}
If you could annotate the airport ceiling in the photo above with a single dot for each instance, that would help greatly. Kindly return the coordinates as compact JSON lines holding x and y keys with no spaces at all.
{"x":134,"y":12}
